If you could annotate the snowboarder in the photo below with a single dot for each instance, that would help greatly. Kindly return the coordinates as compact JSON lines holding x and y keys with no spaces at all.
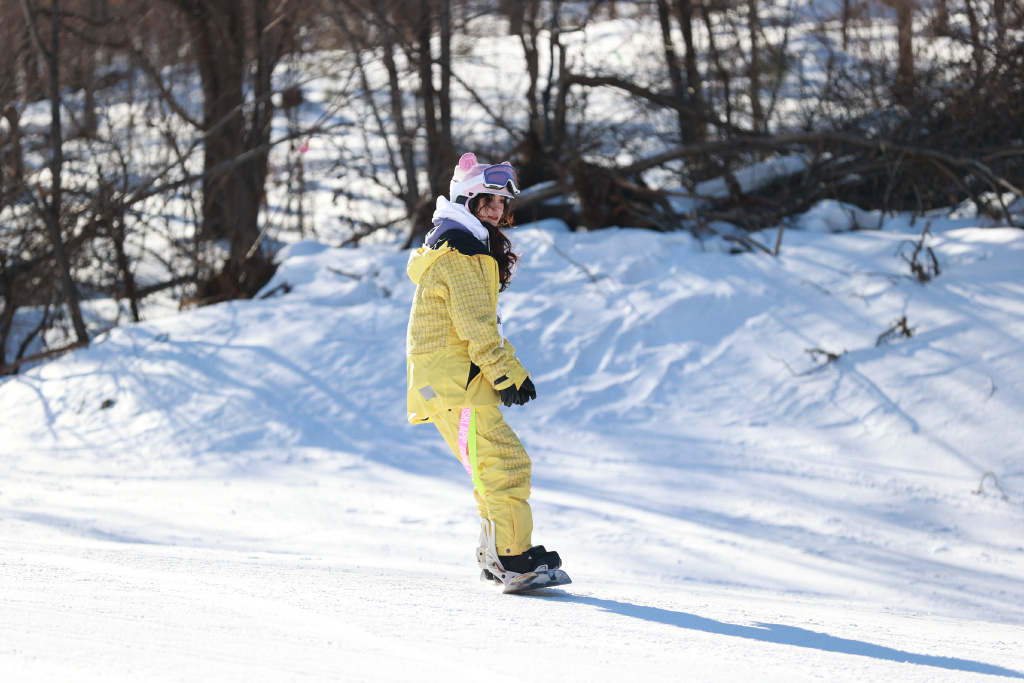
{"x":460,"y":367}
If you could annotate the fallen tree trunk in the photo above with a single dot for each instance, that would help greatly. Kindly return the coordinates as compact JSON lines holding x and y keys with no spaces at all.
{"x":871,"y":172}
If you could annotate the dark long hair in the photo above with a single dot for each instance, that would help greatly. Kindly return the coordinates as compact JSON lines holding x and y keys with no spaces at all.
{"x":501,"y":245}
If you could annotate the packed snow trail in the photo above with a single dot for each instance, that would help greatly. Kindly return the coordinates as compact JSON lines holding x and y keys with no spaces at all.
{"x":313,"y":598}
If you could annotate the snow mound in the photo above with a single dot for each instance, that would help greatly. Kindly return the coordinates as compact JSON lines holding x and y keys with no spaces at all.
{"x":830,"y":215}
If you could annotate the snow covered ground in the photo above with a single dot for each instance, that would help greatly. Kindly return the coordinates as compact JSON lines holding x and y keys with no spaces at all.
{"x":232,"y":493}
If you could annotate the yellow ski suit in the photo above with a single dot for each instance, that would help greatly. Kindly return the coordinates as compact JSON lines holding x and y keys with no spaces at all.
{"x":457,"y":361}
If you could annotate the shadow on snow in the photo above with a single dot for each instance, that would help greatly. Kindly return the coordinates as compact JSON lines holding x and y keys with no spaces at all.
{"x":783,"y":635}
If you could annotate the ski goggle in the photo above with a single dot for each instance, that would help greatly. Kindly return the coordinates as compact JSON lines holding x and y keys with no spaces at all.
{"x":501,"y":177}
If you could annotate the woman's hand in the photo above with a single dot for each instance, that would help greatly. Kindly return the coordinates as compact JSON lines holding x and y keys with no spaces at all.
{"x":510,"y":396}
{"x":526,"y":392}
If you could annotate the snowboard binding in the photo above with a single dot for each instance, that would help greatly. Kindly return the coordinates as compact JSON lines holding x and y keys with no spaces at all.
{"x":539,"y":575}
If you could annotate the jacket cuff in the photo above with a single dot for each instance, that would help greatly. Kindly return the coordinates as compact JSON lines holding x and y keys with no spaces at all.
{"x":516,"y":375}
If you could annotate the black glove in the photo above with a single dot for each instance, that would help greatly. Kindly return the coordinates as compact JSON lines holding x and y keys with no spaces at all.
{"x":526,"y":392}
{"x":510,"y":396}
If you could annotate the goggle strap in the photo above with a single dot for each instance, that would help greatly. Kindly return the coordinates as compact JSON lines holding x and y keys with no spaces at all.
{"x":465,"y":185}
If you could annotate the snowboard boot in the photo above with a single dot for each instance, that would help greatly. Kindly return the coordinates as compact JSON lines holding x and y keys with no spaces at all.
{"x":533,"y":560}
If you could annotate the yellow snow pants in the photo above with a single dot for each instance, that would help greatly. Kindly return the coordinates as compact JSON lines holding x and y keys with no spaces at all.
{"x":492,"y":454}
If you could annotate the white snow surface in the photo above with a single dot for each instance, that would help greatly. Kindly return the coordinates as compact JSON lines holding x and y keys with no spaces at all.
{"x":233,"y":493}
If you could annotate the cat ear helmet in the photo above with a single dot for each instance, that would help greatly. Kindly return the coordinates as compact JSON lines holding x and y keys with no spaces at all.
{"x":472,"y":178}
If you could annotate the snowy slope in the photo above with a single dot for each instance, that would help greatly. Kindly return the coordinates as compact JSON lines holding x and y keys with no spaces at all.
{"x":233,"y":493}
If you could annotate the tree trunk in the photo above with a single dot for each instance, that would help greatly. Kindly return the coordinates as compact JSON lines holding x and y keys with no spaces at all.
{"x":118,"y":237}
{"x":32,"y":80}
{"x":531,"y":155}
{"x":90,"y":121}
{"x":411,"y":196}
{"x":675,"y":73}
{"x":940,"y":22}
{"x":53,"y":205}
{"x":10,"y":308}
{"x":999,"y":18}
{"x":445,"y":96}
{"x":694,"y":83}
{"x":529,"y":36}
{"x":847,"y":18}
{"x":716,"y":58}
{"x":977,"y":49}
{"x":554,"y":46}
{"x":429,"y":96}
{"x":10,"y":35}
{"x":218,"y":32}
{"x":436,"y":107}
{"x":12,"y":160}
{"x":904,"y":39}
{"x":561,"y":109}
{"x":233,"y":188}
{"x":754,"y":24}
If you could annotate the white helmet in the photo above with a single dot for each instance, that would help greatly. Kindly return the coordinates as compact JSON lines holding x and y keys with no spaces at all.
{"x":471,"y":178}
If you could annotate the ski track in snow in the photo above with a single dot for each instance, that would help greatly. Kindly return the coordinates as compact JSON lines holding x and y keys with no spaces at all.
{"x":251,"y":505}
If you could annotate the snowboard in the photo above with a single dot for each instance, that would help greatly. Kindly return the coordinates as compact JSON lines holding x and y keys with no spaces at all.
{"x":532,"y":581}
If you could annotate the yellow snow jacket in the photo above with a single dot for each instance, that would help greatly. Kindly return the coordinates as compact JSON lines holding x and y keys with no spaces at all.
{"x":456,"y":356}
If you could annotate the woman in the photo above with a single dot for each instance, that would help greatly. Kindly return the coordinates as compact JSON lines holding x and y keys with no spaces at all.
{"x":460,"y":367}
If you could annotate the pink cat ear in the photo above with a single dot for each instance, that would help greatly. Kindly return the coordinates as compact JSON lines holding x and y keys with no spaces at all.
{"x":467,"y":161}
{"x":506,"y":163}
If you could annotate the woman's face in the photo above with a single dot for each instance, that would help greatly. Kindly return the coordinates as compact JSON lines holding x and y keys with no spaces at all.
{"x":490,"y":208}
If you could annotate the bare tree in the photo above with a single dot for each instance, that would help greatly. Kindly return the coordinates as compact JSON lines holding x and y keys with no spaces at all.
{"x":758,"y":122}
{"x":12,"y":164}
{"x":90,"y":53}
{"x":904,"y":91}
{"x":436,"y":103}
{"x":237,"y":44}
{"x":535,"y":148}
{"x":50,"y":202}
{"x":417,"y":131}
{"x":694,"y":83}
{"x":675,"y":72}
